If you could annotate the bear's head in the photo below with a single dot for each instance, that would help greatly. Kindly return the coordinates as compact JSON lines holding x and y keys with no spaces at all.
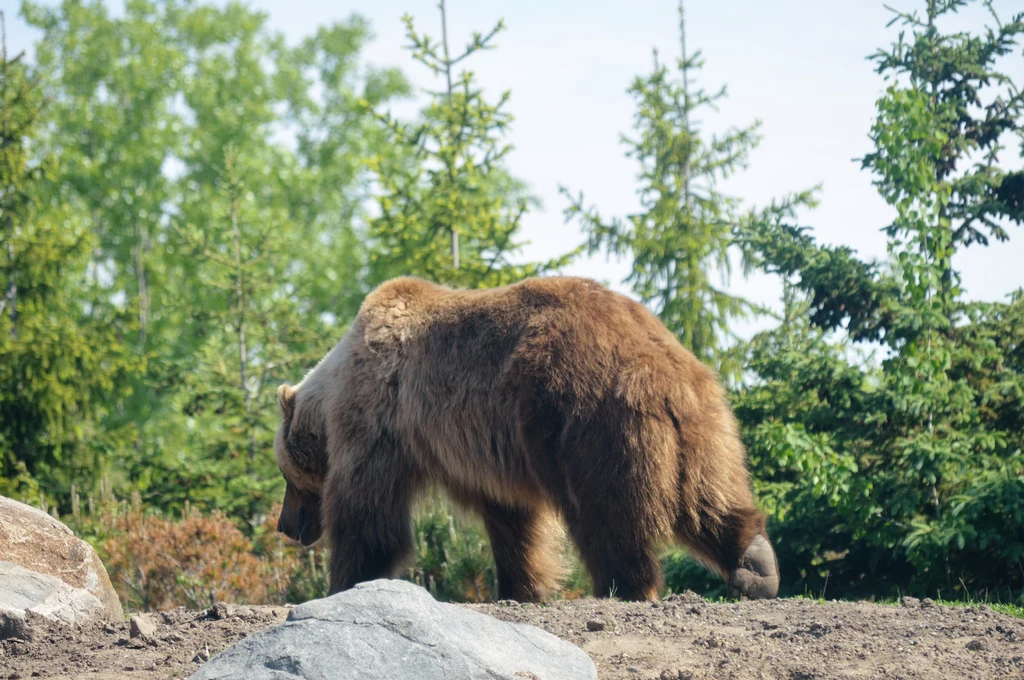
{"x":300,"y":447}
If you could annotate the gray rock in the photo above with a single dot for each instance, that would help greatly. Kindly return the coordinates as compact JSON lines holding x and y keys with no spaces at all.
{"x":23,"y":590}
{"x":222,"y":611}
{"x":396,"y":630}
{"x":141,"y":625}
{"x":31,"y":539}
{"x":14,"y":625}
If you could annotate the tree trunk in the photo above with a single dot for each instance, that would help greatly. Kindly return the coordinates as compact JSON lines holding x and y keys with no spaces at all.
{"x":140,"y":274}
{"x":11,"y":296}
{"x":448,"y":82}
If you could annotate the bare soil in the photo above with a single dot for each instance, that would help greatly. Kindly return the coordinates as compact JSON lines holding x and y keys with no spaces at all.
{"x":182,"y":640}
{"x":683,"y":636}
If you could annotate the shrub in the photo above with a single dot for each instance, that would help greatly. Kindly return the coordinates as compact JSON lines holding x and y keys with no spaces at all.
{"x":156,"y":562}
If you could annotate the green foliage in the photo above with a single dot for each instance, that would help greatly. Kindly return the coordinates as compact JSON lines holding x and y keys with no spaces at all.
{"x":191,"y":211}
{"x":449,"y":210}
{"x":453,"y":557}
{"x":906,"y":472}
{"x":59,"y":359}
{"x":205,"y":156}
{"x":682,"y":573}
{"x":680,"y":242}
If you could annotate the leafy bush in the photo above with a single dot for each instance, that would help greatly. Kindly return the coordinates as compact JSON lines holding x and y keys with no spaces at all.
{"x":682,"y":572}
{"x":453,"y":558}
{"x":157,"y":562}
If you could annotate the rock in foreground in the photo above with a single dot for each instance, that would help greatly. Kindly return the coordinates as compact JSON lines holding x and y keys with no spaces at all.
{"x":396,"y":630}
{"x":23,"y":590}
{"x":46,"y":569}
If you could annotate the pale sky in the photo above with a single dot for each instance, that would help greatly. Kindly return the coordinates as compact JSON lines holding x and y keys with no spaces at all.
{"x":797,"y":65}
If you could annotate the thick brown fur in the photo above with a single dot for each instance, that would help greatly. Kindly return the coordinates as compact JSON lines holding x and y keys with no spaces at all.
{"x":551,"y":398}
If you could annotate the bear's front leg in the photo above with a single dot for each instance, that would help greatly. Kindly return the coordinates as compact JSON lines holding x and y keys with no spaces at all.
{"x":367,"y":507}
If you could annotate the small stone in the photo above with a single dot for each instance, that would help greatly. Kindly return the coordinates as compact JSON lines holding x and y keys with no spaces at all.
{"x":141,"y":625}
{"x":13,"y":625}
{"x":222,"y":611}
{"x":595,"y":625}
{"x":818,"y":629}
{"x":977,"y":645}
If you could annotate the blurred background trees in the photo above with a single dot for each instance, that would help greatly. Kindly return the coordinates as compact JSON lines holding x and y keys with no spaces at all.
{"x":192,"y":210}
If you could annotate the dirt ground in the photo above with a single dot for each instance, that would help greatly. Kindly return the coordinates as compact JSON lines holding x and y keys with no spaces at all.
{"x":682,"y":636}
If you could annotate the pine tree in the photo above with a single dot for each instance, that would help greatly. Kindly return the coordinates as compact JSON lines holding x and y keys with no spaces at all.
{"x":679,"y":243}
{"x":62,"y":369}
{"x":938,"y":137}
{"x":254,"y":333}
{"x":905,"y":472}
{"x":449,"y":210}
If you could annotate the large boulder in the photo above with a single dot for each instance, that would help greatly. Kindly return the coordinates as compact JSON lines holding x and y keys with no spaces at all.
{"x":46,"y":569}
{"x":23,"y":590}
{"x":396,"y":630}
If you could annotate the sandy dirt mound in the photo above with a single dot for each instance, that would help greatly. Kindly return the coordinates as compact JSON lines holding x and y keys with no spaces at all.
{"x":680,"y":637}
{"x":181,"y":641}
{"x":685,"y":637}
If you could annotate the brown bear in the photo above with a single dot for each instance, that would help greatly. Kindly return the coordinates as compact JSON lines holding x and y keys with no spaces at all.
{"x":553,"y":398}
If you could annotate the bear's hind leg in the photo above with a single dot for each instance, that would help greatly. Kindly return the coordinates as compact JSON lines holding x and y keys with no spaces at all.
{"x":525,"y":543}
{"x":618,"y":499}
{"x":621,"y":559}
{"x":367,"y":510}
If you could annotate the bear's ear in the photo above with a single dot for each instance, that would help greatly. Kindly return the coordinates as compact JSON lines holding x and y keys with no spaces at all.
{"x":286,"y":400}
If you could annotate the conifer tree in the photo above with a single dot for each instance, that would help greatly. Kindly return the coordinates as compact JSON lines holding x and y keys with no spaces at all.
{"x":62,"y":369}
{"x":679,"y":243}
{"x":939,"y":136}
{"x":907,"y":472}
{"x":449,"y":210}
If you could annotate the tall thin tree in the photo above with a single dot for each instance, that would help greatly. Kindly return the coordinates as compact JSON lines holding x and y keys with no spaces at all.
{"x":679,"y":243}
{"x":449,"y":209}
